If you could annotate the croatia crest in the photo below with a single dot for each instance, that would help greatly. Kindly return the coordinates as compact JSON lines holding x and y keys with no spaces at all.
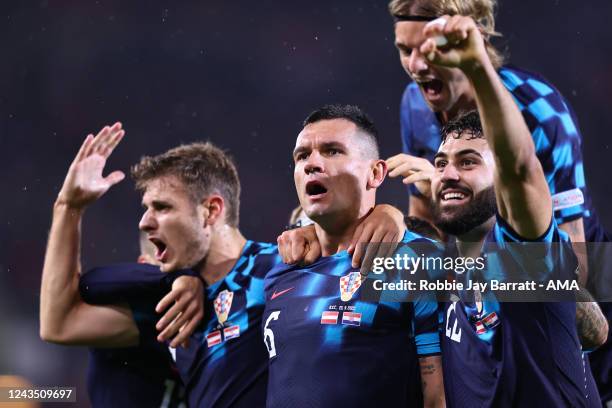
{"x":349,"y":285}
{"x":223,"y":304}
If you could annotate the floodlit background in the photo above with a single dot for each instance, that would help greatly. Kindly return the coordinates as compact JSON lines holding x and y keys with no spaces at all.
{"x":241,"y":74}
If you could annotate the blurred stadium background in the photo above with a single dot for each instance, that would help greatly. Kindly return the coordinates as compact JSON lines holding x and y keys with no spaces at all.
{"x":240,"y":74}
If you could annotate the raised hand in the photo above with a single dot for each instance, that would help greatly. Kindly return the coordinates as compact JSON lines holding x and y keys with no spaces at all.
{"x":413,"y":169}
{"x":84,"y":182}
{"x":454,"y":41}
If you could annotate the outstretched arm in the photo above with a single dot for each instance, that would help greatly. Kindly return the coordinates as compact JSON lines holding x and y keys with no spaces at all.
{"x":523,"y":197}
{"x":64,"y":317}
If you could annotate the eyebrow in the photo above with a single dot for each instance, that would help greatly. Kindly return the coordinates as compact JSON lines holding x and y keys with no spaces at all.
{"x":463,"y":152}
{"x":322,"y":146}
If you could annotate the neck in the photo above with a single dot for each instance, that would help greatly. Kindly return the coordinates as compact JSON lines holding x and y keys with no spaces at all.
{"x":226,"y":245}
{"x":470,"y":243}
{"x":337,"y":235}
{"x":466,"y":102}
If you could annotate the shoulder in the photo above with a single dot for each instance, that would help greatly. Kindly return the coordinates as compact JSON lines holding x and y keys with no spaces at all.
{"x":503,"y":232}
{"x":258,"y":258}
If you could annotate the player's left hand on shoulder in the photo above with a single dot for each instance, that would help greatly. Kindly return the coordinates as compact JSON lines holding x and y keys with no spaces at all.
{"x":187,"y":310}
{"x":454,"y":41}
{"x":299,"y":245}
{"x":385,"y":224}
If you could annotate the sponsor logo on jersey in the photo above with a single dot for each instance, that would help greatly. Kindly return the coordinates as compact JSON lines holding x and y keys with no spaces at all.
{"x":223,"y":304}
{"x":349,"y":285}
{"x":351,"y":319}
{"x":329,"y":317}
{"x":277,"y":294}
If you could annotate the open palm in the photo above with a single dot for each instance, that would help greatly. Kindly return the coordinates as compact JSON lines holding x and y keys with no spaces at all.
{"x":84,"y":182}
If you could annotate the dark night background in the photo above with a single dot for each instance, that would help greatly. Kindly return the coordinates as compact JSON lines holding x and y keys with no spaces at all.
{"x":241,"y":74}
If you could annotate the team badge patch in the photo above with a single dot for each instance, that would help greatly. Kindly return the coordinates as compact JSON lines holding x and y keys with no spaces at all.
{"x":349,"y":285}
{"x":214,"y":338}
{"x":223,"y":304}
{"x":231,"y":332}
{"x":329,"y":318}
{"x":351,"y":319}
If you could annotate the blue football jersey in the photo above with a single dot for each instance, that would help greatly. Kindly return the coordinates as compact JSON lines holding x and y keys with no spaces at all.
{"x":226,"y":363}
{"x":141,"y":376}
{"x":328,"y":347}
{"x":516,"y":354}
{"x":554,"y":130}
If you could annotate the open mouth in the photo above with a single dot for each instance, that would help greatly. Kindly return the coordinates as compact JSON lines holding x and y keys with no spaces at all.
{"x":315,"y":188}
{"x":160,"y":246}
{"x":453,"y":195}
{"x":431,"y":87}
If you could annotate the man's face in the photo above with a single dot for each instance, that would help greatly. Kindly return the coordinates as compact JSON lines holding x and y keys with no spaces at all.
{"x":174,"y":224}
{"x":444,"y":89}
{"x":331,"y":169}
{"x":462,"y":185}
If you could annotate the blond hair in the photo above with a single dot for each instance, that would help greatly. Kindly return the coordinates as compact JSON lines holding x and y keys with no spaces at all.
{"x":482,"y":11}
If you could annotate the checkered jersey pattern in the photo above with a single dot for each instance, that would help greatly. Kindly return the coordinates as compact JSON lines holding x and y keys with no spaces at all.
{"x":326,"y":350}
{"x":552,"y":124}
{"x":231,"y":369}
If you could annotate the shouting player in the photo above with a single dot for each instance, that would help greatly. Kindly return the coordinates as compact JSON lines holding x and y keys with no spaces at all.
{"x":191,"y":197}
{"x":488,"y":187}
{"x":326,"y":347}
{"x":439,"y":93}
{"x":132,"y":369}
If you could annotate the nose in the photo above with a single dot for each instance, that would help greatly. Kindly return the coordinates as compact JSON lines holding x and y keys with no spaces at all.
{"x":450,"y":173}
{"x":147,"y":222}
{"x":314,"y":163}
{"x":416,"y":64}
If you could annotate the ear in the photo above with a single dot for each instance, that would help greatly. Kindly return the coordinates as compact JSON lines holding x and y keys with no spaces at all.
{"x":378,"y":172}
{"x":214,"y":210}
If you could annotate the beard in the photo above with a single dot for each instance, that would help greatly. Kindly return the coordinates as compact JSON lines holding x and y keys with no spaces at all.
{"x":458,"y":221}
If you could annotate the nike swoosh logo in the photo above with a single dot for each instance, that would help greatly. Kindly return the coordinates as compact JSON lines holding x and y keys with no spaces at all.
{"x":282,"y":292}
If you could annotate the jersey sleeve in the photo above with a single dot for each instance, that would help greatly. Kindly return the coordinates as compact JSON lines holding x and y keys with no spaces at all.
{"x":126,"y":282}
{"x":547,"y":257}
{"x":557,"y":139}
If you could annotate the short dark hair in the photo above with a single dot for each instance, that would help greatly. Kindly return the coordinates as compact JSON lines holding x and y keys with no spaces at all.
{"x":465,"y":124}
{"x":351,"y":113}
{"x":202,"y":167}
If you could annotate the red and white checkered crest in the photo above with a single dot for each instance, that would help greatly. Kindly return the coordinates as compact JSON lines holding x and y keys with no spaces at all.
{"x":349,"y":285}
{"x":223,"y":304}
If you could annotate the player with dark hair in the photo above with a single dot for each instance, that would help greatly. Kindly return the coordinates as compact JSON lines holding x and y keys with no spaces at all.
{"x":191,"y":200}
{"x":439,"y":93}
{"x":488,"y":188}
{"x":326,"y":346}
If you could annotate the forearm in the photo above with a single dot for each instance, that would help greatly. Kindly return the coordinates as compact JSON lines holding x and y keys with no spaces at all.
{"x":59,"y":287}
{"x":432,"y":382}
{"x":502,"y":122}
{"x":590,"y":321}
{"x":523,"y":198}
{"x":575,"y":230}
